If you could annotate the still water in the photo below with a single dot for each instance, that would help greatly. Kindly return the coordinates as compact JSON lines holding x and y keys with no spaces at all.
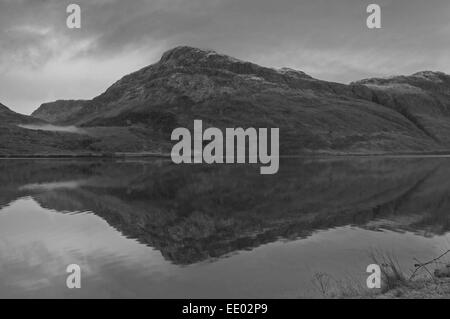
{"x":148,"y":228}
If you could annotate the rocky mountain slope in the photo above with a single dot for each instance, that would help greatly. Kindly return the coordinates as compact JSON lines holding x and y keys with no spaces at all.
{"x":400,"y":114}
{"x":423,"y":98}
{"x":58,"y":111}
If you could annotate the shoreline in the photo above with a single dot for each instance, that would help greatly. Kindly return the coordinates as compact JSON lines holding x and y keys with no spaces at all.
{"x":75,"y":156}
{"x":319,"y":154}
{"x":85,"y":155}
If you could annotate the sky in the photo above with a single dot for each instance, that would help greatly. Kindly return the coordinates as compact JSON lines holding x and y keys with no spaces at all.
{"x":42,"y":60}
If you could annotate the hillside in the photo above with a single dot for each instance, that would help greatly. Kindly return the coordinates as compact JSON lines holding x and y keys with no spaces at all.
{"x":58,"y":111}
{"x":400,"y":114}
{"x":423,"y":98}
{"x":9,"y":117}
{"x":16,"y":140}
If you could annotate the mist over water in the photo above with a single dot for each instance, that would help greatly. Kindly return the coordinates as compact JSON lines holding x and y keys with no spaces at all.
{"x":154,"y":229}
{"x":54,"y":128}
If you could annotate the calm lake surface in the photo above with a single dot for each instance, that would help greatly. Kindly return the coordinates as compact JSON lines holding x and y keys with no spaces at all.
{"x":148,"y":228}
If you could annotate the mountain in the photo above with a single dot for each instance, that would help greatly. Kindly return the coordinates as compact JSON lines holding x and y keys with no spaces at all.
{"x":139,"y":112}
{"x":58,"y":111}
{"x":423,"y":98}
{"x":17,"y":139}
{"x":8,"y":117}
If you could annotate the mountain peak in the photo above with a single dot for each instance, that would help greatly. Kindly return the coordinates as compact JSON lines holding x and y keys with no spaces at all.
{"x":184,"y":51}
{"x":190,"y":57}
{"x":187,"y":56}
{"x":430,"y":75}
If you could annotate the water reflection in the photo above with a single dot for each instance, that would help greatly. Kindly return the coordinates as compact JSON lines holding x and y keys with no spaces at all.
{"x":153,"y":226}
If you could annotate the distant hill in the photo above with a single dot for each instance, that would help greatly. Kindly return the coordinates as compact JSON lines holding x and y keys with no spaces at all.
{"x":16,"y":140}
{"x":58,"y":111}
{"x":9,"y":117}
{"x":399,"y":114}
{"x":423,"y":98}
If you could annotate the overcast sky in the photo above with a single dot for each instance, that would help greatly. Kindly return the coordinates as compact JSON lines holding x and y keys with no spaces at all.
{"x":42,"y":60}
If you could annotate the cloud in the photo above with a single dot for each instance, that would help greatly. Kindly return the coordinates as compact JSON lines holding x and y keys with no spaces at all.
{"x":327,"y":39}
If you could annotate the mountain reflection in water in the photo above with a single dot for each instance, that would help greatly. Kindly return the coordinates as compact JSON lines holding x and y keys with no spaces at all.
{"x":203,"y":217}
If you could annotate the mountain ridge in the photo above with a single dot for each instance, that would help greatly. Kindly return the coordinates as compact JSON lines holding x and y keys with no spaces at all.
{"x":397,"y":114}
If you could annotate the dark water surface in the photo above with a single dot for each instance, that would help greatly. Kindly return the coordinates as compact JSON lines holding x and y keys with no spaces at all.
{"x":152,"y":229}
